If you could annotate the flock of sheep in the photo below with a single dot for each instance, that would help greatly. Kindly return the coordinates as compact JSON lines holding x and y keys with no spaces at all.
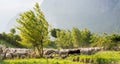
{"x":10,"y":53}
{"x":63,"y":53}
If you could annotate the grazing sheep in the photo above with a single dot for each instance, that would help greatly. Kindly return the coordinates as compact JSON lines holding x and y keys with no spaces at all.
{"x":2,"y":48}
{"x":90,"y":51}
{"x":23,"y":56}
{"x":48,"y":52}
{"x":63,"y":52}
{"x":74,"y":51}
{"x":2,"y":56}
{"x":48,"y":56}
{"x":17,"y":52}
{"x":8,"y":55}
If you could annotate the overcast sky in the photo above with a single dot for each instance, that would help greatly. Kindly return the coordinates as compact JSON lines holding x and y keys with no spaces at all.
{"x":10,"y":8}
{"x":96,"y":15}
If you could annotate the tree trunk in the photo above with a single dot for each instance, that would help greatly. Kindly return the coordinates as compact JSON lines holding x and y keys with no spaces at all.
{"x":41,"y":48}
{"x":39,"y":51}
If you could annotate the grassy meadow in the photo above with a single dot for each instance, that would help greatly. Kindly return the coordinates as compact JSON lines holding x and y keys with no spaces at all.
{"x":38,"y":61}
{"x":103,"y":57}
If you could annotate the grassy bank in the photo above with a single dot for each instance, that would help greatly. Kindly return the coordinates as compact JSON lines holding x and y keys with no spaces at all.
{"x":103,"y":57}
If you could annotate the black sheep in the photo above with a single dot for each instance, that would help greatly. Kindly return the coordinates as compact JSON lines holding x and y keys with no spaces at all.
{"x":74,"y":51}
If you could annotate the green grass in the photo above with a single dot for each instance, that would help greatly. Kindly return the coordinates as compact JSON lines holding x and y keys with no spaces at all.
{"x":38,"y":61}
{"x":103,"y":57}
{"x":108,"y":57}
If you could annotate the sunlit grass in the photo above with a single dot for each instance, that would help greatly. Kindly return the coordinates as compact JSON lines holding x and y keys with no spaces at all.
{"x":38,"y":61}
{"x":103,"y":57}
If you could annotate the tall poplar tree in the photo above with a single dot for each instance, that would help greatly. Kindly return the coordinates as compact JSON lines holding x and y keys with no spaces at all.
{"x":64,"y":39}
{"x":76,"y":37}
{"x":33,"y":28}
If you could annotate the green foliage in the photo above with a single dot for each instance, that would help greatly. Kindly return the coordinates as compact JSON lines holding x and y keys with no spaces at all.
{"x":115,"y":41}
{"x":10,"y":39}
{"x":115,"y":37}
{"x":85,"y":37}
{"x":33,"y":28}
{"x":64,"y":39}
{"x":50,"y":44}
{"x":13,"y":31}
{"x":54,"y":32}
{"x":76,"y":37}
{"x":100,"y":41}
{"x":81,"y":38}
{"x":108,"y":41}
{"x":4,"y":42}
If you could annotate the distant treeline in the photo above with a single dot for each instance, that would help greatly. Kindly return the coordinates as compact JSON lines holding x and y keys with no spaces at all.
{"x":84,"y":38}
{"x":62,"y":38}
{"x":10,"y":39}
